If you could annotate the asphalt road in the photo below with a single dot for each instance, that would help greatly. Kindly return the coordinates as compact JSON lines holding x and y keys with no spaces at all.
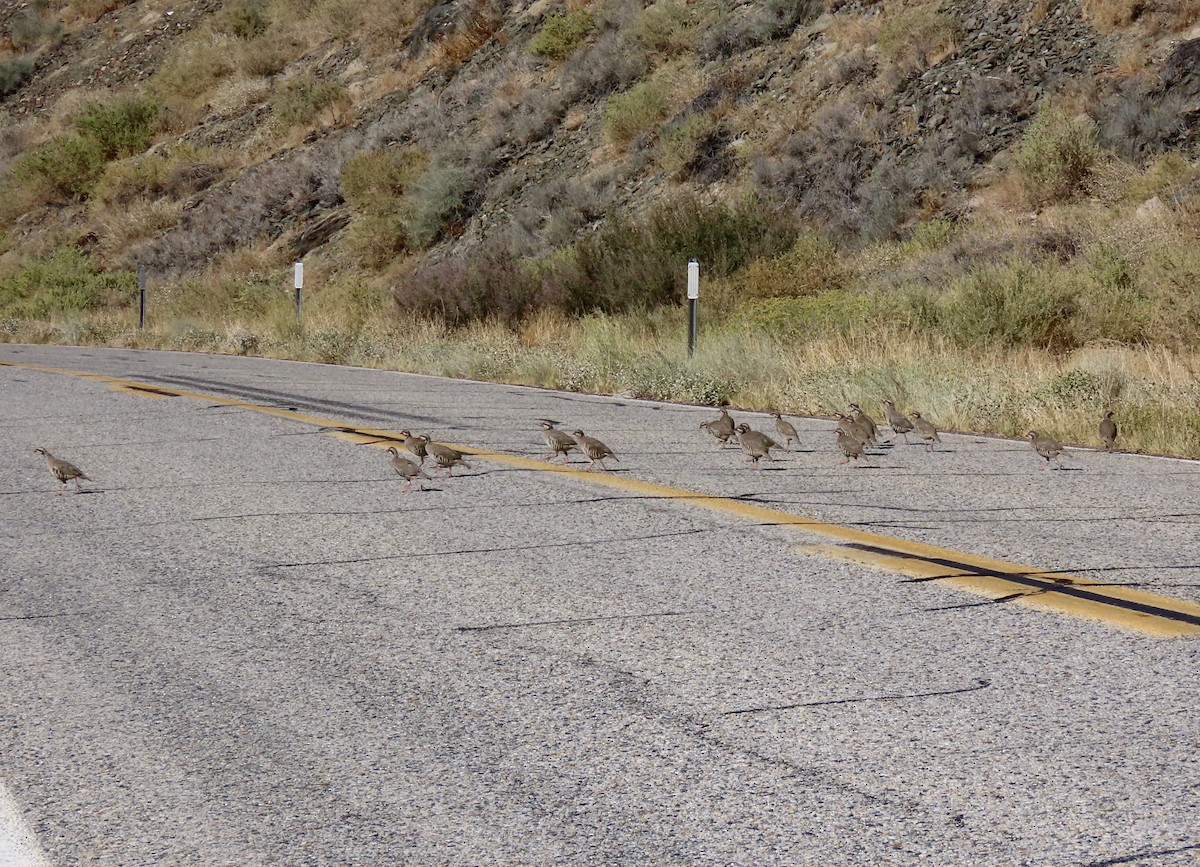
{"x":244,"y":645}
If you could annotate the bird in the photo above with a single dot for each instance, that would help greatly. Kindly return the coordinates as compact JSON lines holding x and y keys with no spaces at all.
{"x":787,"y":431}
{"x":406,"y":469}
{"x":926,"y":430}
{"x":756,"y":444}
{"x":865,"y":422}
{"x":64,"y":471}
{"x":1046,"y":446}
{"x":594,"y":449}
{"x":896,"y":420}
{"x":560,"y":442}
{"x":1108,"y":431}
{"x":415,"y":444}
{"x":446,"y":457}
{"x":851,"y":428}
{"x":851,"y":446}
{"x":722,"y":427}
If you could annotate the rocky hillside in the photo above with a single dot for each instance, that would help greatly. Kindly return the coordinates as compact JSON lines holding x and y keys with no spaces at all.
{"x":382,"y":138}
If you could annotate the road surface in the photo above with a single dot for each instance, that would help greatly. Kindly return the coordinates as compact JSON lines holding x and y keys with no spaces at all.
{"x":243,"y":644}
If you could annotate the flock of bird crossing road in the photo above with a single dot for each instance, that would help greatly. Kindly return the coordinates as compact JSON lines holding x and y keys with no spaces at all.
{"x":855,"y":433}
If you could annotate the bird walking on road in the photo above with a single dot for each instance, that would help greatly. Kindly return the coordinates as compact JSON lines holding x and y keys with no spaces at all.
{"x":406,"y":469}
{"x":414,"y":444}
{"x":64,"y":471}
{"x":560,"y":442}
{"x":852,"y":429}
{"x":1108,"y":431}
{"x":786,"y":431}
{"x":594,"y":449}
{"x":756,"y":444}
{"x":1046,"y":446}
{"x":446,"y":457}
{"x":897,"y":421}
{"x":865,"y":422}
{"x":722,"y":428}
{"x":926,"y":430}
{"x":851,"y":446}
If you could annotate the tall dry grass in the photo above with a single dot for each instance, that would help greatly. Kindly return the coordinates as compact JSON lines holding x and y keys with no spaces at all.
{"x":1155,"y":392}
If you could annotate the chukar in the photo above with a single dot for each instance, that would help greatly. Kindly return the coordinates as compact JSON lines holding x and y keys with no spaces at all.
{"x":722,"y":428}
{"x":756,"y":444}
{"x":786,"y":431}
{"x":560,"y":442}
{"x":851,"y":446}
{"x":64,"y":471}
{"x":446,"y":457}
{"x":1108,"y":431}
{"x":926,"y":430}
{"x":1046,"y":446}
{"x":414,"y":444}
{"x":594,"y":449}
{"x":406,"y":469}
{"x":865,"y":422}
{"x":896,"y":420}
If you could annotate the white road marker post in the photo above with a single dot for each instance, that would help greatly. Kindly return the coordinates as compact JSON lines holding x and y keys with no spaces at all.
{"x":693,"y":294}
{"x":298,"y":282}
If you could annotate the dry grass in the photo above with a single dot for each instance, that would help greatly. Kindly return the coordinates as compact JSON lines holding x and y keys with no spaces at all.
{"x":1156,"y":16}
{"x":1155,"y":393}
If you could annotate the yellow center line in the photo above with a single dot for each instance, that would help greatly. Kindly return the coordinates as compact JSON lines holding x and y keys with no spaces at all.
{"x":1127,"y":607}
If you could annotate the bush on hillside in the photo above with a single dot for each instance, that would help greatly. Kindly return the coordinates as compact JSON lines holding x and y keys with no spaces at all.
{"x":14,"y":72}
{"x":33,"y":26}
{"x":120,"y":129}
{"x":244,"y":19}
{"x":1056,"y":155}
{"x":64,"y":282}
{"x":638,"y":110}
{"x":64,"y":168}
{"x":626,"y":264}
{"x":299,"y":100}
{"x":562,"y":35}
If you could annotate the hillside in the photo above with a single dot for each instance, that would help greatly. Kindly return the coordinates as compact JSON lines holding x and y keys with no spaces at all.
{"x":1009,"y":175}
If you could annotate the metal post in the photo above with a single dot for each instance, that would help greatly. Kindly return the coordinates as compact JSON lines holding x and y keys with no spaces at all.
{"x":141,"y":296}
{"x":693,"y":294}
{"x":298,"y":282}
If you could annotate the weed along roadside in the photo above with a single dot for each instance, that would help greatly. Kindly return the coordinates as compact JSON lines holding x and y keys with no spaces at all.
{"x":988,"y":214}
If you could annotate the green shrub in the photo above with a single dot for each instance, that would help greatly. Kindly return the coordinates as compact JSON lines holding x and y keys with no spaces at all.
{"x":809,"y":267}
{"x":302,"y":98}
{"x":244,"y":19}
{"x":177,"y":171}
{"x":629,"y":264}
{"x":640,"y":109}
{"x":69,"y":166}
{"x":193,"y":70}
{"x":122,"y":129}
{"x":912,"y":35}
{"x":64,"y":282}
{"x":14,"y":72}
{"x":668,"y":28}
{"x":679,"y":141}
{"x":375,"y":181}
{"x":32,"y":26}
{"x":1014,"y":306}
{"x":65,"y":167}
{"x":790,"y":319}
{"x":440,"y":199}
{"x":1057,"y":155}
{"x":561,"y":35}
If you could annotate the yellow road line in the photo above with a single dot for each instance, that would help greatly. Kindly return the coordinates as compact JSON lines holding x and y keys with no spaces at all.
{"x":1148,"y":613}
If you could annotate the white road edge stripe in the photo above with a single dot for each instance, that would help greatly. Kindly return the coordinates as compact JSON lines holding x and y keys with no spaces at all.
{"x":18,"y":846}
